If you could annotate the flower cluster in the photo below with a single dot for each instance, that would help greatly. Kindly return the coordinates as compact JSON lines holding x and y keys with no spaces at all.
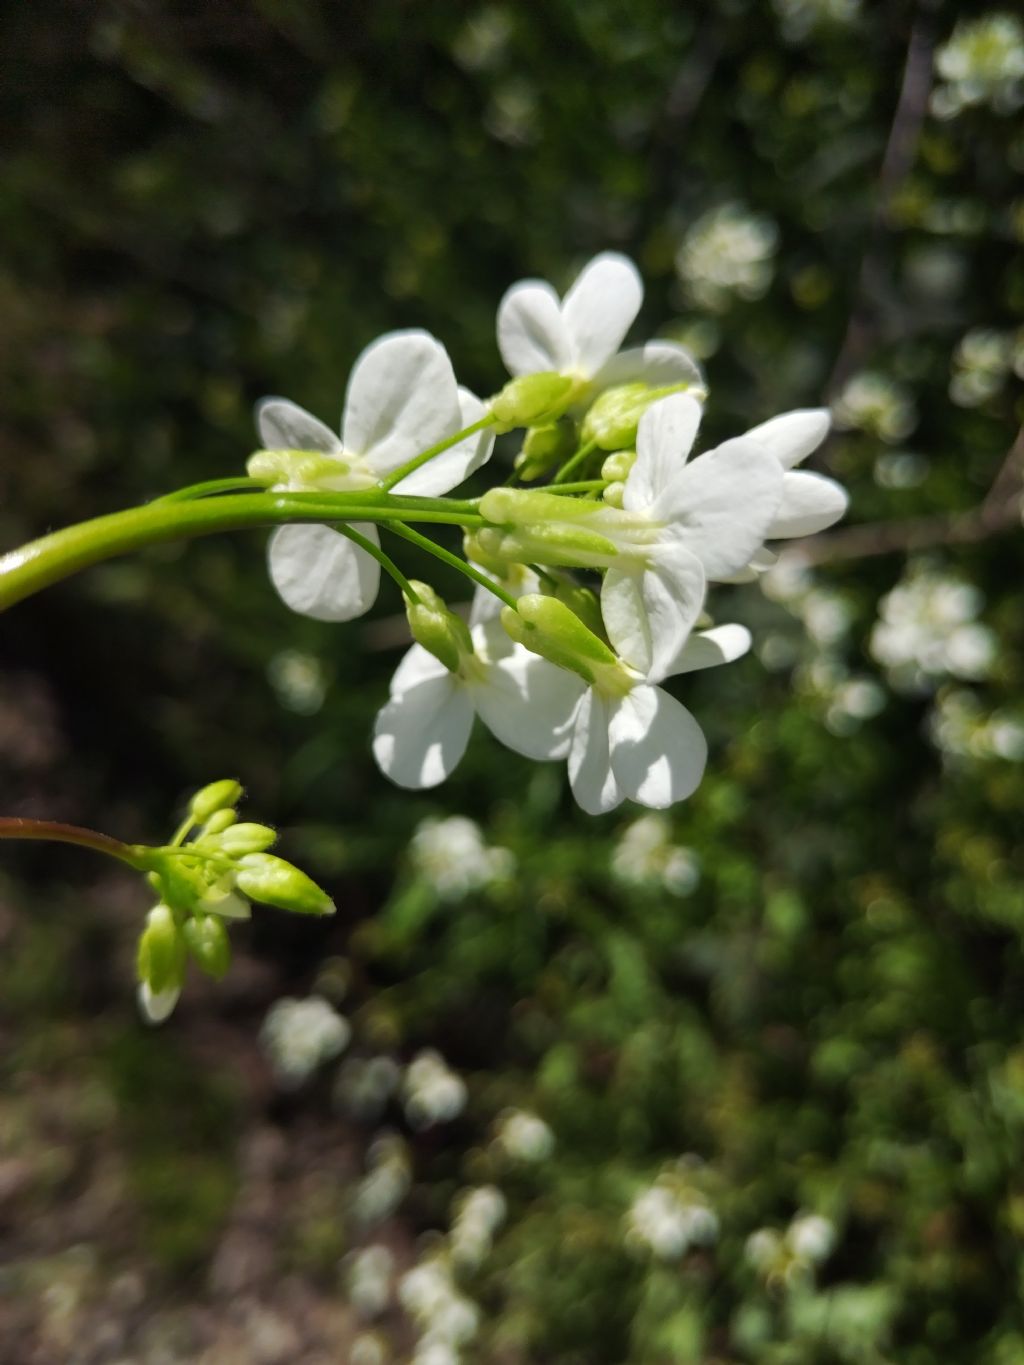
{"x":646,"y":857}
{"x":982,"y":63}
{"x":927,"y":629}
{"x":301,"y":1034}
{"x":207,"y":875}
{"x":451,"y":857}
{"x":785,"y":1256}
{"x":591,"y":592}
{"x":728,"y":253}
{"x":669,"y":1218}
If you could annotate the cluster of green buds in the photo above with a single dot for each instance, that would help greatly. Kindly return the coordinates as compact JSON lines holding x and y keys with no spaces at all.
{"x":207,"y":875}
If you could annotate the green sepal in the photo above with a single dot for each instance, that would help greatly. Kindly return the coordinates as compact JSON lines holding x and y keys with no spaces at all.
{"x":266,"y":878}
{"x":207,"y":941}
{"x":160,"y":961}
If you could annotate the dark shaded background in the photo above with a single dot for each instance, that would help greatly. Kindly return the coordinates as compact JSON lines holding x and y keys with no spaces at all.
{"x":201,"y":204}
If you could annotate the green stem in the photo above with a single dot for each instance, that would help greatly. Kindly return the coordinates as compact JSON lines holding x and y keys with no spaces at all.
{"x":584,"y":486}
{"x":54,"y":557}
{"x":397,"y":475}
{"x":55,"y":831}
{"x":425,"y":543}
{"x":210,"y":486}
{"x":574,"y":462}
{"x":385,"y":561}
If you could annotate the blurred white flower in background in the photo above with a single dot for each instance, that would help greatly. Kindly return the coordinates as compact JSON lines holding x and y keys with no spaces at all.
{"x":524,"y":1136}
{"x":299,"y":681}
{"x":369,"y":1273}
{"x":900,"y":469}
{"x":927,"y":630}
{"x":798,"y":19}
{"x":982,"y":63}
{"x":668,"y":1219}
{"x":874,"y":403}
{"x":480,"y":1213}
{"x":446,"y":1319}
{"x":808,"y":1241}
{"x":368,"y":1348}
{"x":364,"y":1085}
{"x":299,"y":1035}
{"x":646,"y":856}
{"x":982,"y":362}
{"x":960,"y":728}
{"x":727,"y":253}
{"x":433,"y":1092}
{"x":452,"y":857}
{"x":386,"y":1182}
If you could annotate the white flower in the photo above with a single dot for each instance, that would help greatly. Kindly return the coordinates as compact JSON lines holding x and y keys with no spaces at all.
{"x":433,"y":1092}
{"x":156,"y":1006}
{"x":876,"y":404}
{"x":300,"y":1034}
{"x":402,"y":398}
{"x":580,"y":335}
{"x":524,"y":1136}
{"x":481,"y":1212}
{"x":452,"y":857}
{"x":668,"y":1221}
{"x":422,"y":732}
{"x":727,"y":252}
{"x":386,"y":1182}
{"x":762,"y":1248}
{"x":809,"y":502}
{"x":982,"y":63}
{"x":927,"y":628}
{"x":681,"y":523}
{"x":363,"y":1086}
{"x":645,"y":856}
{"x":369,"y":1280}
{"x":446,"y":1318}
{"x":631,"y":739}
{"x":811,"y":1237}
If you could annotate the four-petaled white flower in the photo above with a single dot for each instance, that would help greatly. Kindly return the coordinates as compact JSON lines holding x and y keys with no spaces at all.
{"x":422,"y":732}
{"x":630,"y":738}
{"x":580,"y":335}
{"x":402,"y":398}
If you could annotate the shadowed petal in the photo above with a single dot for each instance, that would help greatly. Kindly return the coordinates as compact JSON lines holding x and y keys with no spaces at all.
{"x":452,"y":467}
{"x":708,"y":648}
{"x":793,"y":435}
{"x":648,"y":613}
{"x":402,"y":398}
{"x":600,"y":307}
{"x":590,"y":774}
{"x":532,"y":336}
{"x":529,"y":703}
{"x":283,"y":425}
{"x":658,"y":750}
{"x":420,"y":736}
{"x":664,"y":440}
{"x":658,"y":363}
{"x":319,"y":573}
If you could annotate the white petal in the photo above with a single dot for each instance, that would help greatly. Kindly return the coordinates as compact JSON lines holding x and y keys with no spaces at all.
{"x":529,"y":703}
{"x":649,"y":612}
{"x":590,"y":774}
{"x":664,"y":440}
{"x":708,"y":648}
{"x":420,"y":736}
{"x":452,"y":467}
{"x":760,"y":562}
{"x":319,"y":573}
{"x":417,"y":665}
{"x":532,"y":335}
{"x":658,"y":363}
{"x":402,"y":398}
{"x":600,"y":307}
{"x":283,"y":425}
{"x":792,"y":436}
{"x":810,"y":502}
{"x":723,"y":503}
{"x":658,"y":750}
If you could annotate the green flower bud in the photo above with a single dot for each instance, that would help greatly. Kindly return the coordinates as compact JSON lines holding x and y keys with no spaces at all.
{"x":306,"y":469}
{"x":614,"y":494}
{"x":550,"y":628}
{"x":583,"y":602}
{"x":219,"y":821}
{"x":543,"y":448}
{"x":437,"y":628}
{"x":531,"y":400}
{"x":217,"y":796}
{"x":272,"y":881}
{"x":478,"y":548}
{"x":161,"y":954}
{"x":615,"y":414}
{"x":617,"y":466}
{"x":246,"y":838}
{"x":207,"y":941}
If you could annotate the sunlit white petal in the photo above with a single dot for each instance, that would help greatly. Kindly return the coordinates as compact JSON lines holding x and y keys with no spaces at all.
{"x":421,"y":734}
{"x":401,"y":398}
{"x":590,"y":773}
{"x":658,"y":750}
{"x":664,"y":439}
{"x":810,"y":502}
{"x":532,"y":335}
{"x":283,"y":425}
{"x":599,"y":309}
{"x":649,"y":610}
{"x":708,"y":648}
{"x":793,"y":435}
{"x":417,"y":665}
{"x":319,"y":573}
{"x":529,"y":703}
{"x":452,"y":467}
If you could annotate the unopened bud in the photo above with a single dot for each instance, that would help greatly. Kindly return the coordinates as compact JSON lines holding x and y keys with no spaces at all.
{"x":617,"y":466}
{"x":615,"y":494}
{"x":217,"y":796}
{"x":437,"y":628}
{"x":246,"y":838}
{"x":543,"y":448}
{"x":219,"y":821}
{"x":548,"y":627}
{"x":207,"y":941}
{"x":161,"y":954}
{"x":272,"y":881}
{"x":583,"y":602}
{"x":615,"y":414}
{"x":531,"y":400}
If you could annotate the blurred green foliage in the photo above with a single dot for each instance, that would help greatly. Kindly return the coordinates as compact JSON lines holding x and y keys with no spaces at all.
{"x":201,"y":205}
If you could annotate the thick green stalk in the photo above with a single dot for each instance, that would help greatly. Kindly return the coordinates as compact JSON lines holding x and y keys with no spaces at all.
{"x":59,"y":555}
{"x":55,"y":831}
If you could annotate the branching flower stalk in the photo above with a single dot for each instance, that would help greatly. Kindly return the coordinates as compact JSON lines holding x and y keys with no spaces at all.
{"x":591,"y":564}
